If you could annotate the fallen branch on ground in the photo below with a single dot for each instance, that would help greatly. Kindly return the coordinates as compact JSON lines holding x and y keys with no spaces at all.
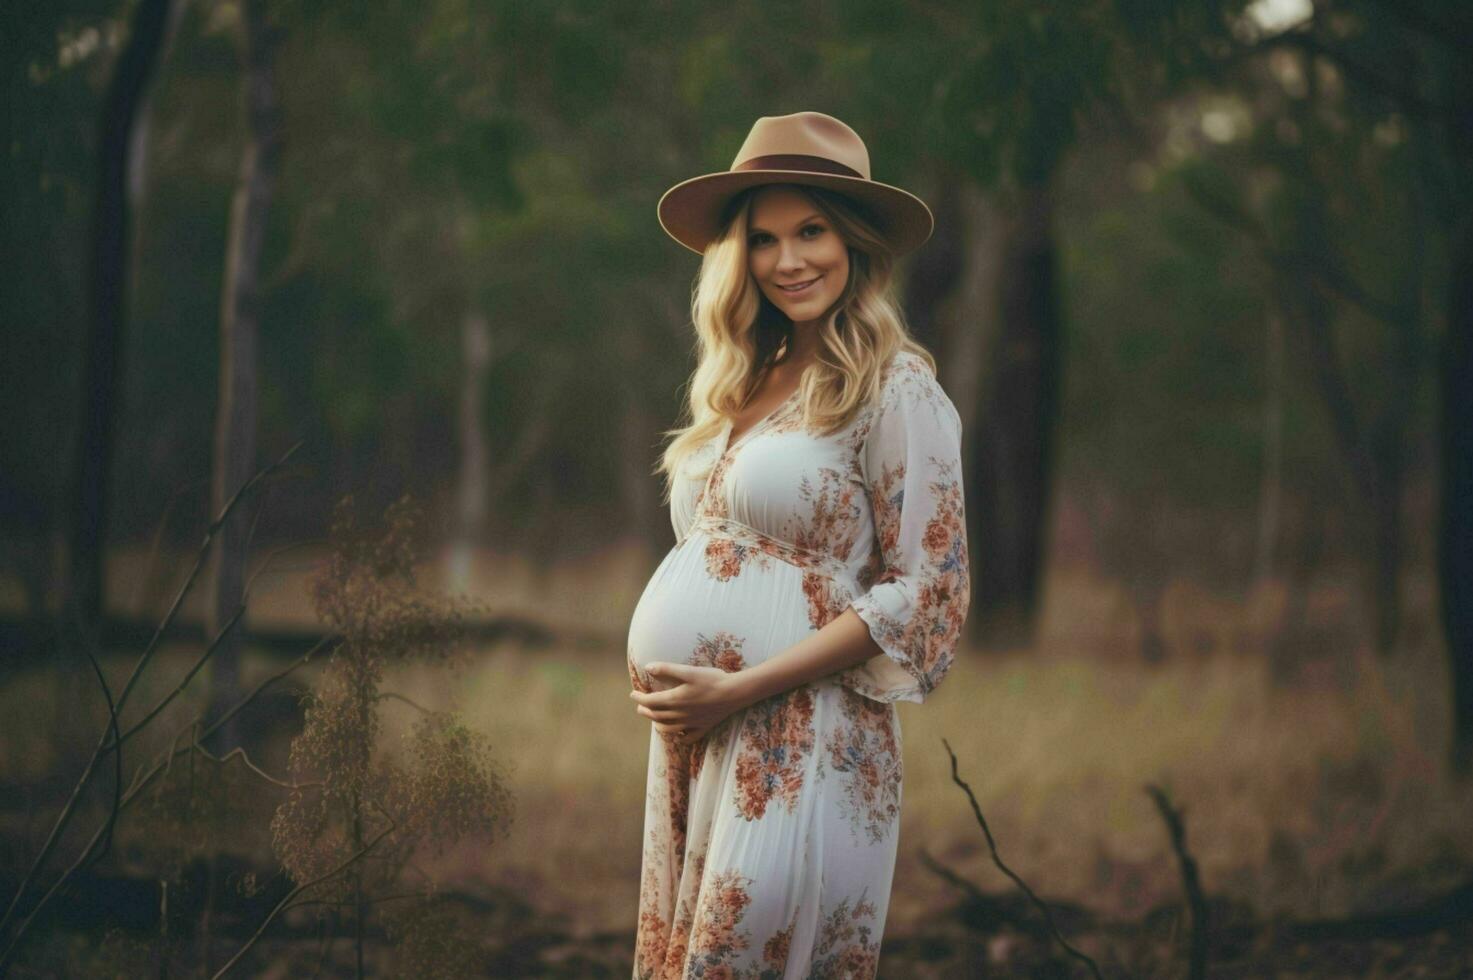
{"x":997,"y":860}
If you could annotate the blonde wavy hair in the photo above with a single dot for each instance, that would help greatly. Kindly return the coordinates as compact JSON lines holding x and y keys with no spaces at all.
{"x":739,"y":331}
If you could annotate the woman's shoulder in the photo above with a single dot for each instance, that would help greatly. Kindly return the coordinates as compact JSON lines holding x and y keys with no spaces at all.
{"x":907,"y":385}
{"x":905,"y":367}
{"x":907,"y":375}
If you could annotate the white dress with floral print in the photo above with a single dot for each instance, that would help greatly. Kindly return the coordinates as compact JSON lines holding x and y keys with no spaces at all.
{"x":770,"y":844}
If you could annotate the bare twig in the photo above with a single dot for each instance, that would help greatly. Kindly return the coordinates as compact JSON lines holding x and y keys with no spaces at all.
{"x":208,"y":653}
{"x":90,"y":856}
{"x":951,"y":877}
{"x":329,"y":936}
{"x":199,"y":563}
{"x":104,"y":834}
{"x":158,"y":535}
{"x":246,"y":760}
{"x":68,"y":811}
{"x":112,"y":722}
{"x":349,"y":903}
{"x":140,"y":783}
{"x":164,"y":702}
{"x":295,"y":545}
{"x":286,"y":901}
{"x":997,"y":860}
{"x":1196,"y":903}
{"x":204,"y":658}
{"x":395,"y":696}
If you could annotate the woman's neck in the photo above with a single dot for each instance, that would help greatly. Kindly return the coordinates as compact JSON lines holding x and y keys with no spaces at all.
{"x":803,"y":344}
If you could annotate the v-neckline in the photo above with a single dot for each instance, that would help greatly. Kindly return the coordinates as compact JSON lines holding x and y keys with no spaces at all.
{"x":730,"y":445}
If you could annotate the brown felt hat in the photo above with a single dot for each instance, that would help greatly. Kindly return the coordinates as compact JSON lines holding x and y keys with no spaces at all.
{"x":802,"y":148}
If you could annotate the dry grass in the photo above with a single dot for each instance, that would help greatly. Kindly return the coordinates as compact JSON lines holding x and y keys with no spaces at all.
{"x":1310,"y":801}
{"x":1302,"y":802}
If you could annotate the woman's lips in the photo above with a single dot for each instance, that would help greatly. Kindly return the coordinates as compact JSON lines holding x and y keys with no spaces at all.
{"x":800,"y":288}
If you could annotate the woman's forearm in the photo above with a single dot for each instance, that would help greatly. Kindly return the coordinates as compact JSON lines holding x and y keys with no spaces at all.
{"x":843,"y":642}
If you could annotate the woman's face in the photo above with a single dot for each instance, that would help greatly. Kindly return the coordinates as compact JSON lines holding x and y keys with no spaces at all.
{"x":790,"y":243}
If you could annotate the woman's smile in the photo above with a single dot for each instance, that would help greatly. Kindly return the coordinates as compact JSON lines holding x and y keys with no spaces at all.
{"x":799,"y":287}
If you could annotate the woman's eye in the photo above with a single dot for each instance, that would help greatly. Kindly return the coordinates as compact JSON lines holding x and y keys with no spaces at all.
{"x":761,"y":238}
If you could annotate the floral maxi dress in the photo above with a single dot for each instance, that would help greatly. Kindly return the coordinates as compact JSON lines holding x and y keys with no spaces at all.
{"x":770,"y":844}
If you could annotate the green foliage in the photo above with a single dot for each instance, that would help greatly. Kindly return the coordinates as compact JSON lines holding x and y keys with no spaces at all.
{"x":1168,"y":409}
{"x":452,"y":159}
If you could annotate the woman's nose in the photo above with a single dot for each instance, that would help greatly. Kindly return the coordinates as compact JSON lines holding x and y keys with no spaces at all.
{"x":788,"y":258}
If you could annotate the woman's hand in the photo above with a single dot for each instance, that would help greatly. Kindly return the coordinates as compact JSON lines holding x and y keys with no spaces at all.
{"x":701,"y":699}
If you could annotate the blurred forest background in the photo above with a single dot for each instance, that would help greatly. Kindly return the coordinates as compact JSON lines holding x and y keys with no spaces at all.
{"x":1201,"y":288}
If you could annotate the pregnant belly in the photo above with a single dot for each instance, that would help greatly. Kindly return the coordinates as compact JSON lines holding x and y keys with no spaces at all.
{"x":715,"y":608}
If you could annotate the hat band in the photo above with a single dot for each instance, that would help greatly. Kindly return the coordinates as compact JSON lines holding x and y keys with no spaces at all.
{"x":797,"y":161}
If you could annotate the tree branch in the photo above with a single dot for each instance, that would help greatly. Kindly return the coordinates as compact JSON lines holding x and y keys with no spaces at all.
{"x":1276,"y":257}
{"x":112,"y":723}
{"x":69,"y":810}
{"x":997,"y":860}
{"x":951,"y":877}
{"x":250,"y":583}
{"x":1196,"y":903}
{"x":286,"y":901}
{"x":199,"y":563}
{"x":395,"y":696}
{"x":1412,"y":103}
{"x":138,"y":786}
{"x":103,"y":833}
{"x":246,"y":759}
{"x":183,"y":682}
{"x":124,"y":800}
{"x":158,"y":535}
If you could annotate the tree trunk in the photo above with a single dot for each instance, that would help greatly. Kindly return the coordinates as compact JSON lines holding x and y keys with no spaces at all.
{"x":138,"y":146}
{"x":475,"y":479}
{"x":1271,"y":480}
{"x":1455,"y":524}
{"x":939,"y":270}
{"x":970,"y":319}
{"x":1374,"y":466}
{"x":235,"y":419}
{"x":1391,"y":430}
{"x":107,"y":320}
{"x":1011,"y":466}
{"x":638,"y":435}
{"x":1455,"y":537}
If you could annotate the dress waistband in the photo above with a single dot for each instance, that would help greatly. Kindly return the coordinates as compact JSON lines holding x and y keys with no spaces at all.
{"x":748,"y":536}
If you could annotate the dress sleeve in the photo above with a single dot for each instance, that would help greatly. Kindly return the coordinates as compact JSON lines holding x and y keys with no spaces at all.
{"x":911,"y":461}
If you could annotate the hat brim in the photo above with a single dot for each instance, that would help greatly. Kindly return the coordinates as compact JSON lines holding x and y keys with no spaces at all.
{"x":690,"y":212}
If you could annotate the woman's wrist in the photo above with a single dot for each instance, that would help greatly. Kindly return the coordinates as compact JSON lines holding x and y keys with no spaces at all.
{"x":750,"y":686}
{"x":842,"y":643}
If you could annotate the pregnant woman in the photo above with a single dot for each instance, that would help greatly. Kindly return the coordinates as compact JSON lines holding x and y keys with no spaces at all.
{"x":819,"y":573}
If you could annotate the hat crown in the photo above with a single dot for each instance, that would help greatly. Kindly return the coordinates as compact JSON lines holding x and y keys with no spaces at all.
{"x":807,"y":148}
{"x":809,"y":134}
